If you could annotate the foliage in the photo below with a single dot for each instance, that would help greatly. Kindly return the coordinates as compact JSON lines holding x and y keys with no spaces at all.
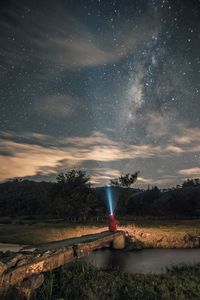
{"x":125,"y":180}
{"x":82,"y":281}
{"x":191,"y":182}
{"x":73,"y":198}
{"x":175,"y":203}
{"x":71,"y":195}
{"x":23,"y":197}
{"x":74,"y":179}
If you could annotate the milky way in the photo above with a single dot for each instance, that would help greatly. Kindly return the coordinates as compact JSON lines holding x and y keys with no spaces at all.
{"x":108,"y":87}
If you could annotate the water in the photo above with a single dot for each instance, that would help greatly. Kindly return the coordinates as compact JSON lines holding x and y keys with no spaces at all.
{"x":143,"y":261}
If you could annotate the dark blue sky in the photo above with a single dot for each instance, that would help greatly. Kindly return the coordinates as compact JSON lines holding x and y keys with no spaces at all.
{"x":105,"y":86}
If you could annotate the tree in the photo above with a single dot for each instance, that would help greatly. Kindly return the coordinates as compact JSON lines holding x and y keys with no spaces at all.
{"x":72,"y":195}
{"x":74,"y":178}
{"x":125,"y":180}
{"x":191,"y":182}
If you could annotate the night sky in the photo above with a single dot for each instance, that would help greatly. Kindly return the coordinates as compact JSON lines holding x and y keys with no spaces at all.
{"x":108,"y":87}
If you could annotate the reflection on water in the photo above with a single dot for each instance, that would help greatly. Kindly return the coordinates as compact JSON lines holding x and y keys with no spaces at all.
{"x":143,"y":261}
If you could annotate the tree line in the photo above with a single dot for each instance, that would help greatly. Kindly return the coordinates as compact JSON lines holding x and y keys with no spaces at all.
{"x":73,"y":197}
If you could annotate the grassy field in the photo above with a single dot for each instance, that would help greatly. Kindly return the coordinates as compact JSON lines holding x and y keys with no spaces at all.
{"x":83,"y":281}
{"x":34,"y":232}
{"x":42,"y":233}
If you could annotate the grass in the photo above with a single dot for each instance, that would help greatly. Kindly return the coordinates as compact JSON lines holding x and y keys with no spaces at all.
{"x":35,"y":232}
{"x":83,"y":281}
{"x":155,"y":225}
{"x":42,"y":233}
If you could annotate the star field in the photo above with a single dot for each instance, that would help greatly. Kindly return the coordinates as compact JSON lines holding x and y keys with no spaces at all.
{"x":105,"y":86}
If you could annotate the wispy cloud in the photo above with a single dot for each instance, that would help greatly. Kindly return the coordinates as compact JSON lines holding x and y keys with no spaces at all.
{"x":168,"y":129}
{"x":38,"y":153}
{"x":28,"y":154}
{"x":190,"y":172}
{"x":101,"y":176}
{"x":86,"y":50}
{"x":74,"y":46}
{"x":60,"y":41}
{"x":187,"y":135}
{"x":161,"y":125}
{"x":162,"y":182}
{"x":174,"y":149}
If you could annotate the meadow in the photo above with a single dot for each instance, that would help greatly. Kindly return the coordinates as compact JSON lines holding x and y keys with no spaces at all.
{"x":37,"y":231}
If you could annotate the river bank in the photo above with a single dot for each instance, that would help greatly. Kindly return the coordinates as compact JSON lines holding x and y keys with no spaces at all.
{"x":142,"y":238}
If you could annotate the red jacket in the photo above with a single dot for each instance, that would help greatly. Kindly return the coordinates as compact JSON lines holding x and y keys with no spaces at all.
{"x":112,"y":223}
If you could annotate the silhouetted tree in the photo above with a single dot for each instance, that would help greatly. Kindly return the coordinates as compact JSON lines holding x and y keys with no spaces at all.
{"x":125,"y":180}
{"x":72,"y":196}
{"x":74,"y":178}
{"x":191,"y":182}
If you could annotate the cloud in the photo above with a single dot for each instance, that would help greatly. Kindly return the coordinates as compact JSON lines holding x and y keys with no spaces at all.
{"x":74,"y":46}
{"x":32,"y":153}
{"x":173,"y":134}
{"x":174,"y":149}
{"x":162,"y":182}
{"x":190,"y":172}
{"x":60,"y":42}
{"x":161,"y":125}
{"x":84,"y":50}
{"x":187,"y":135}
{"x":101,"y":176}
{"x":28,"y":154}
{"x":81,"y":51}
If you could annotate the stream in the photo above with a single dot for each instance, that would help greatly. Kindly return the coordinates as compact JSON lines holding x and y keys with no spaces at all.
{"x":142,"y":261}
